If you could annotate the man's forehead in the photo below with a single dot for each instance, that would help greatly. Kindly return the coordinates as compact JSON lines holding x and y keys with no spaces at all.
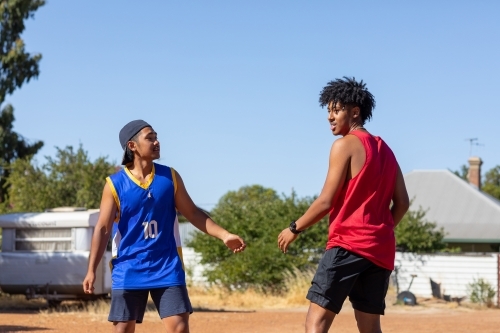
{"x":335,"y":104}
{"x":148,"y":130}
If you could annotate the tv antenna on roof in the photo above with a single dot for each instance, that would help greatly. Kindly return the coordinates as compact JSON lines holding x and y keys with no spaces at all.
{"x":473,"y":142}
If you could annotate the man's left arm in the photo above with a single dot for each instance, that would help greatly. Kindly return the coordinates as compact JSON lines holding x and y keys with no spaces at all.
{"x":400,"y":199}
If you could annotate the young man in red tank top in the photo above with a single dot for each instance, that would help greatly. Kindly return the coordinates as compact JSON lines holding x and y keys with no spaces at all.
{"x":363,"y":179}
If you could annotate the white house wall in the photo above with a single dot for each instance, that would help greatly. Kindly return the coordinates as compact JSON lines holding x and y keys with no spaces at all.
{"x":453,"y":272}
{"x":191,"y":259}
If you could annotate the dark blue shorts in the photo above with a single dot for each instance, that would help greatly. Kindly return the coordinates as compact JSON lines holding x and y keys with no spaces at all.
{"x":131,"y":304}
{"x":342,"y":273}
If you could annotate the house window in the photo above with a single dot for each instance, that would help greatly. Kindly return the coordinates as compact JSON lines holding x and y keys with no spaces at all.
{"x":54,"y":239}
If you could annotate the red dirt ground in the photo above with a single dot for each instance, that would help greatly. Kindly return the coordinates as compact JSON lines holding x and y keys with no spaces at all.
{"x":397,"y":319}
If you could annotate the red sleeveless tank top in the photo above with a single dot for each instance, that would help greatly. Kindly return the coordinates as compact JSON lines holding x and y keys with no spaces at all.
{"x":361,"y":220}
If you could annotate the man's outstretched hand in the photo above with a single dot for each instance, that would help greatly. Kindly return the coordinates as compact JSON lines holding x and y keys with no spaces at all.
{"x":234,"y":243}
{"x":285,"y":238}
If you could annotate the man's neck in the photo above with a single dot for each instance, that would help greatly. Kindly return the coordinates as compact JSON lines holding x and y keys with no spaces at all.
{"x":141,"y":169}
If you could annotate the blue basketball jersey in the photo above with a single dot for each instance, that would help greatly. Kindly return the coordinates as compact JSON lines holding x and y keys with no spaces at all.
{"x":145,"y":238}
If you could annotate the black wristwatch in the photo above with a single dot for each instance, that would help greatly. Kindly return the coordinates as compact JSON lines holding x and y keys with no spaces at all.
{"x":293,"y":228}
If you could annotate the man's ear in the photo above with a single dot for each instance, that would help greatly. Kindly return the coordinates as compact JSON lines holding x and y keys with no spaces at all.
{"x":131,"y":145}
{"x":356,"y":112}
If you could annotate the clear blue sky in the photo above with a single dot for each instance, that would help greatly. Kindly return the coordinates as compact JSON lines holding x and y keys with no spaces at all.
{"x":232,"y":86}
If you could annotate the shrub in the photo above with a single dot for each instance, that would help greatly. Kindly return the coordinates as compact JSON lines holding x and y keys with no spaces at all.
{"x":481,"y":291}
{"x":258,"y":215}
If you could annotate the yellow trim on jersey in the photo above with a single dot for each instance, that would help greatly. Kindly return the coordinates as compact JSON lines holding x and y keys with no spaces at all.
{"x":111,"y":263}
{"x":179,"y":252}
{"x":115,"y":196}
{"x":146,"y":184}
{"x":174,"y":179}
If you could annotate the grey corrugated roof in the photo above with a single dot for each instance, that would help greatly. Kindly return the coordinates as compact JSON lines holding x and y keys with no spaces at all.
{"x":465,"y":213}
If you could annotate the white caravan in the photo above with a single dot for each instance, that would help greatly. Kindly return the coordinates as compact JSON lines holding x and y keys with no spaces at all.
{"x":45,"y":255}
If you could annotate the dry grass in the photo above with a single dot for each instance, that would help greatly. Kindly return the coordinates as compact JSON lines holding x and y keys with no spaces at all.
{"x":297,"y":284}
{"x":431,"y":303}
{"x":19,"y":302}
{"x":213,"y":297}
{"x":100,"y":306}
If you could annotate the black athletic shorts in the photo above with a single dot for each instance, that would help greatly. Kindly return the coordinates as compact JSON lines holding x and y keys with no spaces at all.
{"x":342,"y":273}
{"x":131,"y":304}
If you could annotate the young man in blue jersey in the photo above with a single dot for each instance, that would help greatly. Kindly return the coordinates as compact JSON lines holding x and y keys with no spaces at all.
{"x":139,"y":210}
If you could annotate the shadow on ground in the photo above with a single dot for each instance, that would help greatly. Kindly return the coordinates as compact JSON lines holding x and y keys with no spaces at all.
{"x":14,"y":328}
{"x":202,"y":309}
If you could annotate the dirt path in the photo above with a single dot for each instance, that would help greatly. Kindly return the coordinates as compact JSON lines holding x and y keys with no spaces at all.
{"x":401,"y":320}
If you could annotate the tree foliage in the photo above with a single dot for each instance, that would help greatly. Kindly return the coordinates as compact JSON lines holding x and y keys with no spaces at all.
{"x":259,"y":214}
{"x":462,"y":172}
{"x":415,"y":234}
{"x":12,"y":147}
{"x":491,"y":184}
{"x":16,"y":67}
{"x":69,"y":179}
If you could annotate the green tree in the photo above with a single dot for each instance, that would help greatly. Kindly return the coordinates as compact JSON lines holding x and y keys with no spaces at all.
{"x":259,"y":214}
{"x":69,"y":179}
{"x":415,"y":234}
{"x":462,"y":173}
{"x":16,"y":67}
{"x":491,"y":184}
{"x":12,"y":147}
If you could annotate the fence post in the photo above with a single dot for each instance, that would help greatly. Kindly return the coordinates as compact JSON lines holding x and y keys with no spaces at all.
{"x":498,"y":280}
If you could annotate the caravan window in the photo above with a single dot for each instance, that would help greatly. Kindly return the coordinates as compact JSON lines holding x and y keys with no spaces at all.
{"x":53,"y":239}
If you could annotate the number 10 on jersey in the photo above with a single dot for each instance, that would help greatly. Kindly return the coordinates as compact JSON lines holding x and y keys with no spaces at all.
{"x":150,"y":229}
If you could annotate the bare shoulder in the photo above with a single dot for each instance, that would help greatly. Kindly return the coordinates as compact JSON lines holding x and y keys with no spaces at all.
{"x":345,"y":145}
{"x":106,"y":191}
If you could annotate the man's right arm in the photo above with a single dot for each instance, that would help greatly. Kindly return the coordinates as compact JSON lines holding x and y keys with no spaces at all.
{"x":400,"y":200}
{"x":102,"y":231}
{"x":340,"y":156}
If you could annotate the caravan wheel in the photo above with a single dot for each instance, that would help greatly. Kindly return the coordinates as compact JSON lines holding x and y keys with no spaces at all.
{"x":53,"y":303}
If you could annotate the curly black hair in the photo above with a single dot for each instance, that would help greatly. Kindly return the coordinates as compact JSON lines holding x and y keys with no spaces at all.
{"x":349,"y":92}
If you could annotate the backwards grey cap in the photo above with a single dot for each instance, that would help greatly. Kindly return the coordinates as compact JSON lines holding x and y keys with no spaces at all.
{"x":128,"y":132}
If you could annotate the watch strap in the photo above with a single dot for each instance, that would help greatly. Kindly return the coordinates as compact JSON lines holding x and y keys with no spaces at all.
{"x":293,"y":228}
